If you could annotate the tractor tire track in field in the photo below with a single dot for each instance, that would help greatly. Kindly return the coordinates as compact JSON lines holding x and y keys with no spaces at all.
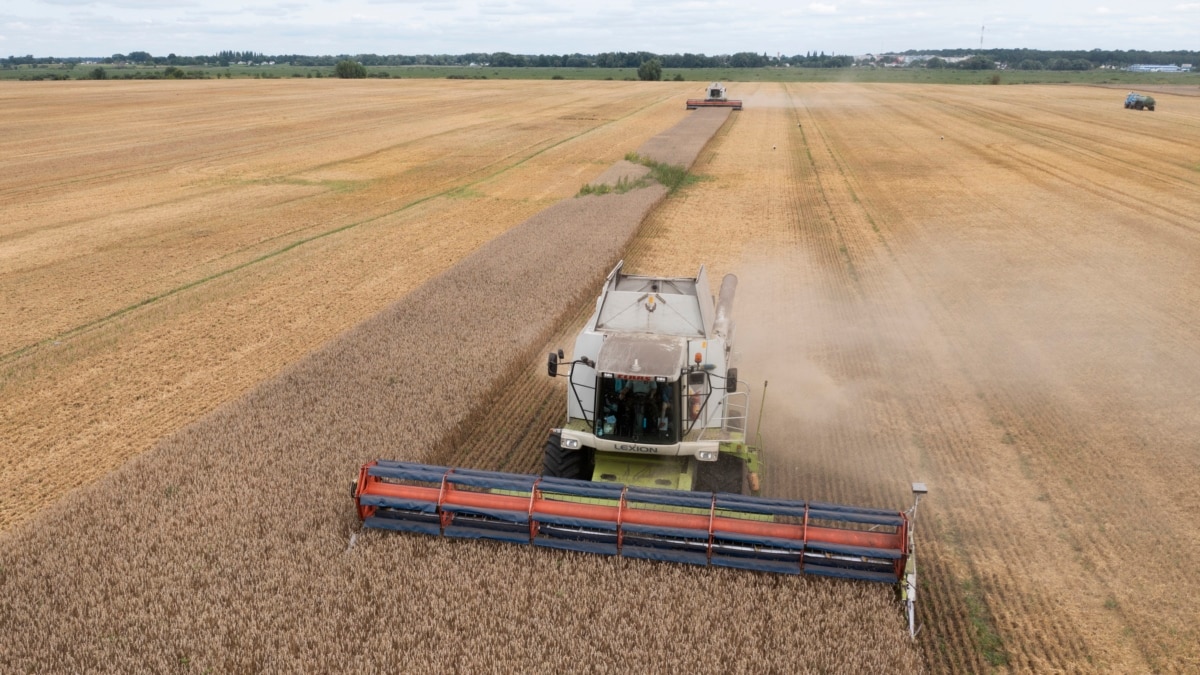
{"x":1106,"y":170}
{"x":249,"y":143}
{"x":449,"y":186}
{"x":171,"y":361}
{"x":858,"y":239}
{"x":510,"y":433}
{"x":257,"y":243}
{"x":1041,"y":423}
{"x":979,"y":582}
{"x":860,"y":308}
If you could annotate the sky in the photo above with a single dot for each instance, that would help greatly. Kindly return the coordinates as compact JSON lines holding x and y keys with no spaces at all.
{"x":200,"y":27}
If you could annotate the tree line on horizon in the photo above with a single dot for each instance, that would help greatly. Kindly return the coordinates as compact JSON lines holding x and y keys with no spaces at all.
{"x":1029,"y":59}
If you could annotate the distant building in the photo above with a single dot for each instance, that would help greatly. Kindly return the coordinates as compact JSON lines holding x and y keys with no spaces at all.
{"x":904,"y":60}
{"x":1154,"y":68}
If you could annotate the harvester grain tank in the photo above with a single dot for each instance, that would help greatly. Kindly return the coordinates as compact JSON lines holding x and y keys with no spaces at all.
{"x":1136,"y":101}
{"x":714,"y":97}
{"x":654,"y":460}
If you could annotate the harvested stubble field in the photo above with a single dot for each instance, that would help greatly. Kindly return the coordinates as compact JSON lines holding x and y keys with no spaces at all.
{"x":165,"y":246}
{"x":990,"y":289}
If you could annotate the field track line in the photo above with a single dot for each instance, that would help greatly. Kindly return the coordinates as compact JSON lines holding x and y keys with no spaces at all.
{"x":858,"y":240}
{"x":1058,"y":642}
{"x":17,"y":353}
{"x":251,"y":149}
{"x":1066,"y":142}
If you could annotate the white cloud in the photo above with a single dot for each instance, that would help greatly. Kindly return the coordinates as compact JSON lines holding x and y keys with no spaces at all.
{"x":101,"y":27}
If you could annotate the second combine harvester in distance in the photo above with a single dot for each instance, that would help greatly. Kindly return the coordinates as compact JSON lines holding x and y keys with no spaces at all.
{"x":654,"y":460}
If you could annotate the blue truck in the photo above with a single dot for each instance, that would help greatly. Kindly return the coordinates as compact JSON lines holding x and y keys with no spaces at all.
{"x":1136,"y":101}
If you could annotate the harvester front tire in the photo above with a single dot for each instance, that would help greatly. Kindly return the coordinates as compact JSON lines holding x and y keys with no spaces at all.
{"x":560,"y":463}
{"x":727,"y":474}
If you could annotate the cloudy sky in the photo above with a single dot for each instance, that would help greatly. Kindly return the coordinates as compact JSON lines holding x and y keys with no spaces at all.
{"x":193,"y":27}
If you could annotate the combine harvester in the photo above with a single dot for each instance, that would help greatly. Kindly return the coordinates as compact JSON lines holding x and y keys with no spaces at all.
{"x":714,"y":98}
{"x":653,"y":461}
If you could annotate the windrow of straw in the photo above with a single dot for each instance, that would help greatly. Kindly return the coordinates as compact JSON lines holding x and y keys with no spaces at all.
{"x":233,"y":546}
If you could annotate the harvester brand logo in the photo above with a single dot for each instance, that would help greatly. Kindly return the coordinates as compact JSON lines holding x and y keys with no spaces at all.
{"x":632,"y":378}
{"x":629,"y":447}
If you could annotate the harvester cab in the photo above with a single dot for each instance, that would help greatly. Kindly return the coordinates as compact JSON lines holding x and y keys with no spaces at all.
{"x":714,"y":97}
{"x":653,"y":397}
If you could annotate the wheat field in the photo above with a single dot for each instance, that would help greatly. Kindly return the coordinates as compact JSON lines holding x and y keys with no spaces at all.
{"x":986,"y":288}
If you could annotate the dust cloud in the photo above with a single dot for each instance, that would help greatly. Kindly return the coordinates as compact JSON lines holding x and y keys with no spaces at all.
{"x":1090,"y":349}
{"x":993,"y":354}
{"x":824,"y":425}
{"x":774,"y":98}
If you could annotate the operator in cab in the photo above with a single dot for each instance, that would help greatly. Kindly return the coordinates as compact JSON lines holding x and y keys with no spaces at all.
{"x":639,"y":403}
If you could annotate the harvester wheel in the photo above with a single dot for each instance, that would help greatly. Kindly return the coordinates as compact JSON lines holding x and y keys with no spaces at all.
{"x":560,"y":463}
{"x":727,"y":474}
{"x":1150,"y":108}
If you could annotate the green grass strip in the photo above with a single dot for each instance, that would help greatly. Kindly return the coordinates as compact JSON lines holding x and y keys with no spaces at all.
{"x":670,"y":176}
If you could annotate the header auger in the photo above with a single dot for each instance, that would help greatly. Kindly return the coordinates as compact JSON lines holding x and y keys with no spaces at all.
{"x":654,"y":460}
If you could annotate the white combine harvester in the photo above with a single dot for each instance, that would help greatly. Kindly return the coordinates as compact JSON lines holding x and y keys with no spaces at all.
{"x":714,"y":97}
{"x":654,"y":460}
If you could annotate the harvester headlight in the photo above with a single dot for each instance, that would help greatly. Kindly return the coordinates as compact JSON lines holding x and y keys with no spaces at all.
{"x":570,"y":444}
{"x":707,"y":455}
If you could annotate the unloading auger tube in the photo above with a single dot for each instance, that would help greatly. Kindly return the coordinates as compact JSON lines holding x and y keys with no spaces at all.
{"x":701,"y":528}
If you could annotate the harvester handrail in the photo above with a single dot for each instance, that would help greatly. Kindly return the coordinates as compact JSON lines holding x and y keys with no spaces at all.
{"x":735,"y":415}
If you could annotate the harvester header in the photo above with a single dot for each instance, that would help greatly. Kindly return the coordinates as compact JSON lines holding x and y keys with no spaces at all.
{"x":725,"y":530}
{"x":779,"y":536}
